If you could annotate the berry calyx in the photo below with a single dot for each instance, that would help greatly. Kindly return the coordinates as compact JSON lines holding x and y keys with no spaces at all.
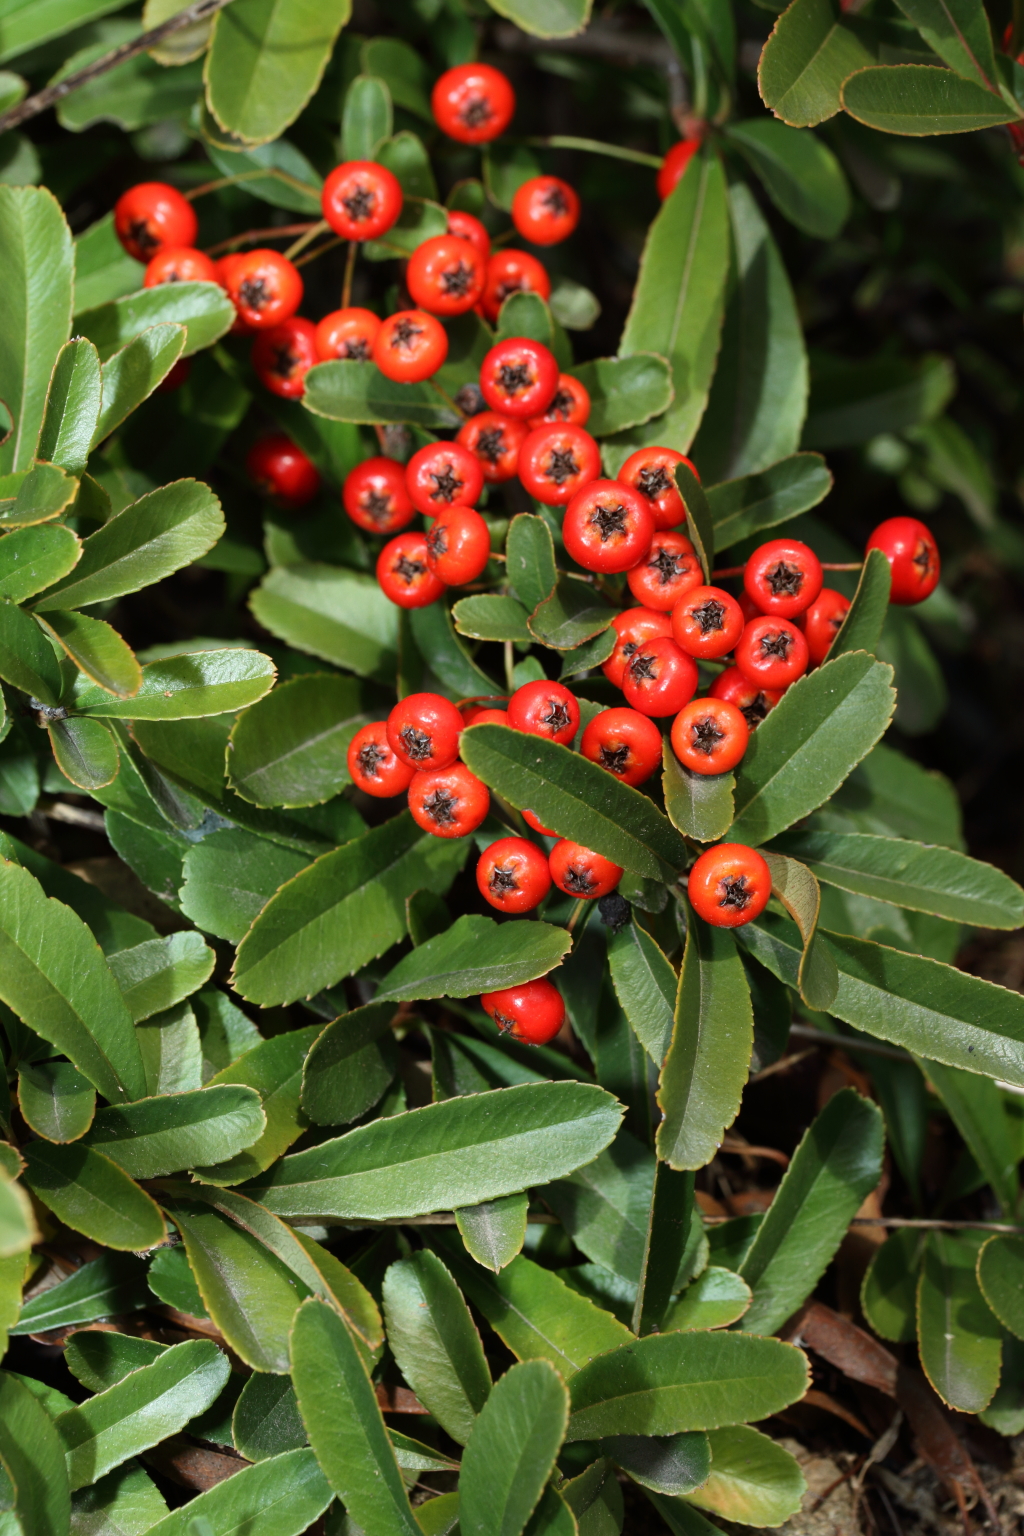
{"x":823,"y":621}
{"x":607,"y":527}
{"x":518,"y":377}
{"x":579,"y":871}
{"x":373,"y":764}
{"x":445,"y":275}
{"x":347,"y":333}
{"x":179,"y":264}
{"x":496,"y":441}
{"x":282,"y":356}
{"x":513,"y":875}
{"x":772,"y":652}
{"x":557,"y":461}
{"x":473,"y":103}
{"x":279,"y":468}
{"x":729,"y":885}
{"x":913,"y":556}
{"x":659,"y":678}
{"x":669,"y":570}
{"x":458,"y":545}
{"x":707,"y":622}
{"x":544,"y":709}
{"x":545,"y":210}
{"x":709,"y":736}
{"x":153,"y":216}
{"x":633,"y":627}
{"x":624,"y":743}
{"x":570,"y":405}
{"x":752,"y":701}
{"x":424,"y":729}
{"x":532,"y":1013}
{"x":650,"y":471}
{"x":448,"y":802}
{"x":783,"y":577}
{"x":361,"y":200}
{"x":442,"y":475}
{"x":404,"y":573}
{"x":410,"y":346}
{"x":264,"y":287}
{"x":674,"y":164}
{"x":511,"y":272}
{"x":376,"y":497}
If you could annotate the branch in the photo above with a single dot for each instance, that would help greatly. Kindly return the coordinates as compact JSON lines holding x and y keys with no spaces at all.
{"x":33,"y":105}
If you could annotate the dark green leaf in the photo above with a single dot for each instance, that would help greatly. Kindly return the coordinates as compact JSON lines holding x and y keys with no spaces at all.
{"x":811,"y":51}
{"x":475,"y":955}
{"x":367,"y":119}
{"x":112,"y":1283}
{"x":976,"y":1107}
{"x":359,"y":392}
{"x":448,"y":658}
{"x":158,"y":974}
{"x":281,"y":1496}
{"x":889,"y":1291}
{"x":801,"y":175}
{"x":98,"y":651}
{"x":530,"y":559}
{"x":491,"y":616}
{"x":32,"y":558}
{"x":290,"y":748}
{"x":584,"y":658}
{"x":853,"y":401}
{"x":36,"y":259}
{"x":700,"y":805}
{"x":918,"y":99}
{"x":27,"y":658}
{"x":178,"y":1130}
{"x":230,"y":876}
{"x":130,"y":376}
{"x":625,"y":391}
{"x":171,"y":1278}
{"x":605,"y":1206}
{"x":186,"y":687}
{"x":1000,"y":1275}
{"x":668,"y":1229}
{"x":341,"y":616}
{"x":495,"y":1230}
{"x":753,"y":503}
{"x":546,"y":18}
{"x":103,"y":268}
{"x":798,"y":891}
{"x":753,"y":1480}
{"x":645,"y":985}
{"x":72,"y":407}
{"x":890,"y":795}
{"x":55,"y":1100}
{"x":34,"y":495}
{"x":699,"y":524}
{"x":959,"y":1338}
{"x":274,"y":1068}
{"x":126,"y":1500}
{"x":716,"y":1298}
{"x":671,"y":1464}
{"x":573,"y":614}
{"x":862,"y":627}
{"x":349,"y":1066}
{"x":33,"y":1458}
{"x":84,"y":752}
{"x":204,"y":309}
{"x":266,"y":1419}
{"x":512,"y":1450}
{"x":91,"y":1194}
{"x":435,"y":1342}
{"x":289,"y":181}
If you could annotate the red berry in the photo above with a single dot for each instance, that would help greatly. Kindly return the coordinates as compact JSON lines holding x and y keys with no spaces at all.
{"x":752,"y":701}
{"x":466,"y":227}
{"x":373,"y":764}
{"x":674,"y":164}
{"x":650,"y":471}
{"x":448,"y":802}
{"x":545,"y":210}
{"x":179,"y":264}
{"x":544,"y":709}
{"x":511,"y":272}
{"x":913,"y":556}
{"x":570,"y":405}
{"x":823,"y":621}
{"x":264,"y":287}
{"x":361,"y":200}
{"x":441,"y":475}
{"x":487,"y":717}
{"x":280,"y":469}
{"x":404,"y":573}
{"x":633,"y":627}
{"x":347,"y":333}
{"x":518,"y":377}
{"x":607,"y":527}
{"x":532,"y":1013}
{"x":282,"y":356}
{"x":772,"y":652}
{"x":667,"y":573}
{"x":782,"y":577}
{"x":152,"y":216}
{"x":496,"y":441}
{"x":707,"y":622}
{"x":458,"y":545}
{"x":445,"y":275}
{"x":729,"y":885}
{"x":709,"y":736}
{"x":473,"y":103}
{"x":578,"y":871}
{"x":376,"y":497}
{"x":225,"y":267}
{"x":513,"y":875}
{"x":410,"y":346}
{"x":625,"y":743}
{"x":659,"y":678}
{"x":537,"y":825}
{"x":556,"y":462}
{"x":424,"y":729}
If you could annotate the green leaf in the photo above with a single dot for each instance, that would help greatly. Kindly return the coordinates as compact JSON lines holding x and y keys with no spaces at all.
{"x":367,"y":119}
{"x":801,"y":175}
{"x":420,"y":219}
{"x":715,"y":1299}
{"x":27,"y":658}
{"x":671,"y":1382}
{"x":585,"y":658}
{"x":625,"y":391}
{"x":491,"y":616}
{"x":808,"y":744}
{"x":289,"y":180}
{"x":512,"y":1451}
{"x":753,"y":1480}
{"x":918,"y":99}
{"x":446,"y":1155}
{"x":448,"y":658}
{"x":266,"y":1418}
{"x":836,"y":1166}
{"x":171,"y":1278}
{"x":84,"y":752}
{"x":92,"y":1195}
{"x":274,"y":1068}
{"x":178,"y":1130}
{"x":889,"y":1290}
{"x":158,"y":974}
{"x":671,"y":1464}
{"x":645,"y":985}
{"x":341,"y":616}
{"x":524,"y":313}
{"x":131,"y":375}
{"x":546,"y":18}
{"x":476,"y":954}
{"x":959,"y":32}
{"x":959,"y":1338}
{"x":977,"y":1110}
{"x":349,"y":1065}
{"x":230,"y":876}
{"x":811,"y":51}
{"x":699,"y":525}
{"x":34,"y":495}
{"x":172,"y":1051}
{"x":126,"y":1500}
{"x":33,"y":1458}
{"x":573,"y":614}
{"x":922,"y":697}
{"x":186,"y":687}
{"x":98,"y":651}
{"x":530,"y":565}
{"x":345,"y":390}
{"x":103,"y":268}
{"x":573,"y":306}
{"x":341,"y":912}
{"x":862,"y":627}
{"x":435,"y":1342}
{"x":1005,"y":1413}
{"x":753,"y":503}
{"x":344,"y":1424}
{"x":290,"y":748}
{"x":112,"y":1283}
{"x":605,"y":1206}
{"x":706,"y":1068}
{"x":575,"y":797}
{"x":53,"y":976}
{"x":1000,"y":1272}
{"x":700,"y":805}
{"x":852,"y":402}
{"x":669,"y":1225}
{"x":403,"y":71}
{"x":72,"y":407}
{"x":495,"y":1230}
{"x":281,"y":1496}
{"x":55,"y":1100}
{"x":204,"y":309}
{"x":798,"y":891}
{"x":36,"y":260}
{"x":18,"y":1230}
{"x":888,"y":794}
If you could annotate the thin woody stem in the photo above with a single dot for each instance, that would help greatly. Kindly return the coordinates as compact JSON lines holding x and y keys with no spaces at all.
{"x":273,"y":232}
{"x":826,"y":565}
{"x":300,"y":244}
{"x":350,"y":269}
{"x":328,"y":245}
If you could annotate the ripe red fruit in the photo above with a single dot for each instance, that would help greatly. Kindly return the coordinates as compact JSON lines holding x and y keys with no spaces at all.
{"x":376,"y":497}
{"x":625,"y":743}
{"x":823,"y":621}
{"x":152,"y":216}
{"x":729,"y":885}
{"x":445,"y":275}
{"x":532,"y":1013}
{"x":511,"y":272}
{"x":556,"y":462}
{"x":659,"y":678}
{"x":361,"y":200}
{"x":404,"y":573}
{"x":545,"y":210}
{"x":225,"y":267}
{"x":473,"y":103}
{"x":280,"y":469}
{"x":752,"y":701}
{"x":544,"y":709}
{"x":424,"y":729}
{"x":570,"y":405}
{"x":578,"y":871}
{"x":448,"y":802}
{"x":282,"y":356}
{"x":913,"y":556}
{"x":709,"y":736}
{"x":518,"y":377}
{"x":179,"y":264}
{"x":442,"y":474}
{"x":458,"y":545}
{"x":649,"y":471}
{"x":707,"y":622}
{"x":674,"y":164}
{"x":772,"y":652}
{"x":633,"y":627}
{"x":667,"y":573}
{"x":513,"y":875}
{"x":374,"y":765}
{"x":607,"y":527}
{"x":347,"y":333}
{"x":474,"y":714}
{"x":264,"y":287}
{"x":783,"y":577}
{"x":410,"y":346}
{"x":465,"y":227}
{"x":495,"y":440}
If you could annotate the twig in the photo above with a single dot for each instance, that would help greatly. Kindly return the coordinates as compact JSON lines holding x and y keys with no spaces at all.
{"x":923,"y":1222}
{"x":847,"y":1043}
{"x":33,"y":105}
{"x":74,"y":816}
{"x":319,"y":228}
{"x":328,"y":245}
{"x":782,"y":1065}
{"x":826,"y":565}
{"x":271,"y":232}
{"x":350,"y":268}
{"x":596,"y":147}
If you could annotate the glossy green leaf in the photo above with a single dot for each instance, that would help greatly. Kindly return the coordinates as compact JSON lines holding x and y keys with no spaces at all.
{"x":84,"y":752}
{"x":18,"y":1230}
{"x":605,"y":1206}
{"x":266,"y":1420}
{"x":113,"y":1283}
{"x":367,"y":117}
{"x":186,"y":687}
{"x":959,"y":1338}
{"x":202,"y":308}
{"x":699,"y":524}
{"x":290,"y":181}
{"x":359,"y":392}
{"x":265,"y":62}
{"x":229,"y":878}
{"x":491,"y":616}
{"x":797,"y":889}
{"x":290,"y":748}
{"x":33,"y":1458}
{"x":349,"y":1065}
{"x":977,"y":1110}
{"x":103,"y":268}
{"x":530,"y":564}
{"x":862,"y":626}
{"x":573,"y":614}
{"x":92,"y":1195}
{"x":179,"y":1130}
{"x":917,"y":99}
{"x":158,"y":974}
{"x":36,"y":495}
{"x":55,"y":1100}
{"x":547,"y":18}
{"x":281,"y":1496}
{"x":495,"y":1230}
{"x":274,"y":1068}
{"x":645,"y":985}
{"x":1000,"y":1275}
{"x":72,"y":407}
{"x":892,"y":796}
{"x":512,"y":1450}
{"x":753,"y":1481}
{"x":959,"y":32}
{"x":669,"y":1224}
{"x":450,"y":660}
{"x":435,"y":1342}
{"x":32,"y":558}
{"x":340,"y":616}
{"x":171,"y":1278}
{"x":476,"y":954}
{"x":752,"y":503}
{"x":27,"y":658}
{"x":625,"y":391}
{"x":99,"y":652}
{"x":670,"y":1464}
{"x":1005,"y":1413}
{"x":811,"y":51}
{"x":700,"y":805}
{"x":130,"y":375}
{"x":889,"y":1289}
{"x":36,"y":259}
{"x":853,"y":401}
{"x":125,"y":1501}
{"x":801,"y":175}
{"x":716,"y":1298}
